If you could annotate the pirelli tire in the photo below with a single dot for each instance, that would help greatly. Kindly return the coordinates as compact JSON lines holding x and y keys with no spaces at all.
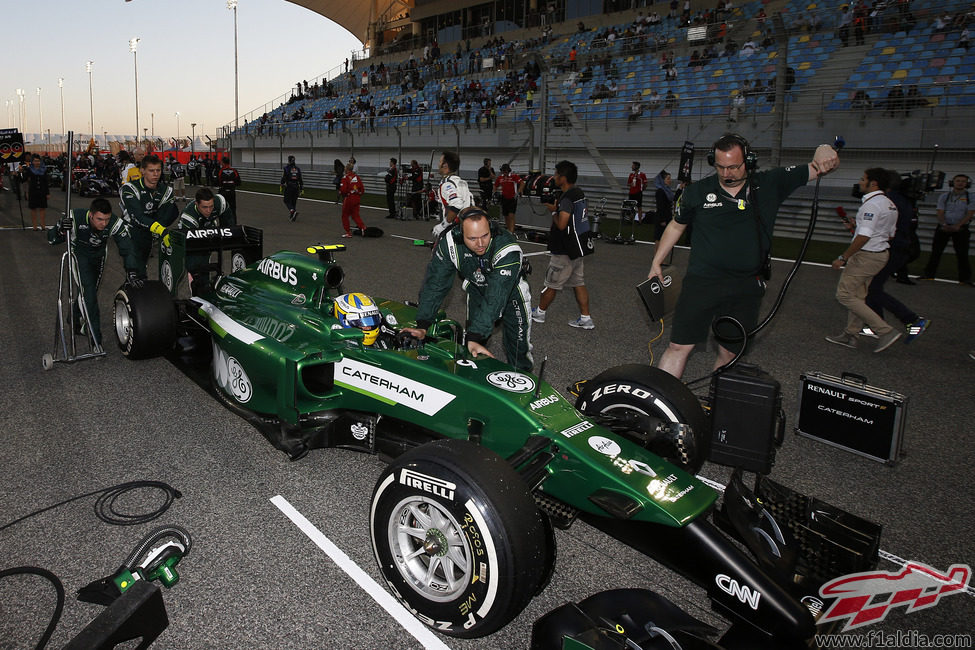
{"x":145,"y":320}
{"x":458,"y":538}
{"x":646,"y":396}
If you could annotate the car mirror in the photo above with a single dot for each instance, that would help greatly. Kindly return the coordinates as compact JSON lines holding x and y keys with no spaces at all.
{"x":347,"y":334}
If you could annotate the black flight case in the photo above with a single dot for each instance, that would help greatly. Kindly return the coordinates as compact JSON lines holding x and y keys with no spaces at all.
{"x":847,"y":413}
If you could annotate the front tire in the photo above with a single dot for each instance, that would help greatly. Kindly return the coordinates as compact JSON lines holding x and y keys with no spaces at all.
{"x":642,"y":397}
{"x":145,"y":320}
{"x":458,"y":537}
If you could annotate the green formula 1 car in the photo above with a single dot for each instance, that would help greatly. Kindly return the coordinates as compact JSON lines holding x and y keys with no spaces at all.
{"x":485,"y":459}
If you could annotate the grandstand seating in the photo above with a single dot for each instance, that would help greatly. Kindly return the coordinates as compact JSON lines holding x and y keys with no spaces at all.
{"x":921,"y":57}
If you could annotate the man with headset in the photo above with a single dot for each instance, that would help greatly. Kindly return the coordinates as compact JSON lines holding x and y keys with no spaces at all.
{"x":488,"y":259}
{"x":733,"y":212}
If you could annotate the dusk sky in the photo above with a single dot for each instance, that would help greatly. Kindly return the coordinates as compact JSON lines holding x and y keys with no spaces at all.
{"x":185,"y":61}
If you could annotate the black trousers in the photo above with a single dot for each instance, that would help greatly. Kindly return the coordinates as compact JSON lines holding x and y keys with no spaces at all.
{"x":231,"y":196}
{"x":878,"y":300}
{"x":959,"y":241}
{"x":291,"y":197}
{"x":391,"y":202}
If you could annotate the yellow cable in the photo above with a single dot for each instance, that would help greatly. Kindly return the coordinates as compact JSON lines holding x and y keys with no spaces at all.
{"x":656,"y":338}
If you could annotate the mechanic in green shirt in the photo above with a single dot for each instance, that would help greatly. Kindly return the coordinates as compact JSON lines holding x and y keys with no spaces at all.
{"x":90,"y":231}
{"x":209,"y":210}
{"x":488,"y":259}
{"x":148,"y":207}
{"x":733,"y":212}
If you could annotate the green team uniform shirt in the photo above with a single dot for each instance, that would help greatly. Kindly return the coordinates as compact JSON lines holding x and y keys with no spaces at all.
{"x":90,"y":243}
{"x":729,"y":239}
{"x":222,"y":215}
{"x":141,"y":207}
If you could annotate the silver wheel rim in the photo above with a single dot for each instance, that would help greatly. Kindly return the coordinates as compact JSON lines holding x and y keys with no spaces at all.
{"x":429,"y":549}
{"x":123,"y":321}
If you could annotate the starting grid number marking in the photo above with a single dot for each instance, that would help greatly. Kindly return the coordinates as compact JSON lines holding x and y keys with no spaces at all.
{"x":382,"y":597}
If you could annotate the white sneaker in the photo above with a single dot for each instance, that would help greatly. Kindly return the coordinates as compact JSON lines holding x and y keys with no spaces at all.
{"x":866,"y":331}
{"x":583,"y":322}
{"x":538,"y":315}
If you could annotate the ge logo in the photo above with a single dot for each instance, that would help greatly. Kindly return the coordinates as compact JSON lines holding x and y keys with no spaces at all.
{"x":513,"y":382}
{"x":166,"y":273}
{"x":240,"y":384}
{"x":237,"y":262}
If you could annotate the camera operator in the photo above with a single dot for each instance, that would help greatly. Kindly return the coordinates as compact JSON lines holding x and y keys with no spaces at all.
{"x":733,"y":213}
{"x":569,"y":242}
{"x":954,"y":214}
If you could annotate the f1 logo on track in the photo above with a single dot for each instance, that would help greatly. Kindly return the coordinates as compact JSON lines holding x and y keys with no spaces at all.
{"x":858,"y":595}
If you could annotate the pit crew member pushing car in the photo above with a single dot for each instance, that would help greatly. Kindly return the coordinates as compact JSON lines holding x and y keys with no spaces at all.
{"x":90,"y":230}
{"x":488,"y":258}
{"x":209,"y":210}
{"x":148,"y":208}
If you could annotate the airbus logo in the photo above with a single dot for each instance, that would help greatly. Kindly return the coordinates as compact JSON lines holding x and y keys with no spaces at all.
{"x":742,"y":592}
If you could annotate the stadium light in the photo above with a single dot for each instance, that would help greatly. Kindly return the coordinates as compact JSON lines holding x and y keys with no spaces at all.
{"x":21,"y":115}
{"x":91,"y":101}
{"x":40,"y":113}
{"x":232,"y":4}
{"x":177,"y":129}
{"x":61,"y":90}
{"x":133,"y":44}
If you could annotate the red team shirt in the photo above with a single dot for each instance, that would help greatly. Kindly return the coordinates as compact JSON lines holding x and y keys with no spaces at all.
{"x":637,"y":182}
{"x":509,"y":184}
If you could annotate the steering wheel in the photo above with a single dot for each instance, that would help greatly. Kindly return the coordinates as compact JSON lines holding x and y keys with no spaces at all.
{"x":406,"y":341}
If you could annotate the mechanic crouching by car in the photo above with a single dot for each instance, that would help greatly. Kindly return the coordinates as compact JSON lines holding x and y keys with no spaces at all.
{"x":90,"y":230}
{"x":489,"y":260}
{"x":209,"y":210}
{"x":148,"y":208}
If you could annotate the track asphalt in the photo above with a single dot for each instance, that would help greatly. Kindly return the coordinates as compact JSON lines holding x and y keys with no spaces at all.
{"x":254,"y":580}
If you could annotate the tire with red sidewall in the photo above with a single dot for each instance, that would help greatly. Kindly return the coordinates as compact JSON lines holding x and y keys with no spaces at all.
{"x":462,"y":509}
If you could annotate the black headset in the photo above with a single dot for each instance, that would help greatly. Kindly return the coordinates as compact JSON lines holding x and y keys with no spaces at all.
{"x":729,"y":139}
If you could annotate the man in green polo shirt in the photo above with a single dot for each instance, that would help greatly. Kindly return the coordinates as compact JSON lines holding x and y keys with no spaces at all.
{"x":732,"y":212}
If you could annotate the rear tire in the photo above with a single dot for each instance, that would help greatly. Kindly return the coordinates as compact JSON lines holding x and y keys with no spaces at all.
{"x":458,"y":537}
{"x":647,"y":396}
{"x":145,"y":320}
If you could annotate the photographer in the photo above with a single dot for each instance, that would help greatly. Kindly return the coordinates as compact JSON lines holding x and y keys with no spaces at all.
{"x":568,"y":242}
{"x":733,"y":212}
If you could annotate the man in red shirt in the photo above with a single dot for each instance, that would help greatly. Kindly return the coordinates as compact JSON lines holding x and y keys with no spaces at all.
{"x":511,"y":185}
{"x":351,"y":190}
{"x":637,"y":183}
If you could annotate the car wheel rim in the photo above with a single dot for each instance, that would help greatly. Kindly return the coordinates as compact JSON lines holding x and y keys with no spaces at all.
{"x":429,"y":549}
{"x":123,"y":322}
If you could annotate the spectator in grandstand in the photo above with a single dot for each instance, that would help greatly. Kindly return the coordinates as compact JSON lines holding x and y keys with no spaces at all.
{"x":942,"y":23}
{"x":654,"y":100}
{"x":895,"y":101}
{"x":737,"y":103}
{"x":670,"y":101}
{"x":725,"y":271}
{"x":572,"y":58}
{"x":636,"y":108}
{"x":511,"y":185}
{"x":843,"y":27}
{"x":861,"y":101}
{"x":963,"y":39}
{"x":747,"y":49}
{"x":955,"y":210}
{"x":569,"y":242}
{"x":351,"y":190}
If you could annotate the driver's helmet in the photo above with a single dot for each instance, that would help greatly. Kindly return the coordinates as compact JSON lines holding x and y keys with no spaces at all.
{"x":359,"y":310}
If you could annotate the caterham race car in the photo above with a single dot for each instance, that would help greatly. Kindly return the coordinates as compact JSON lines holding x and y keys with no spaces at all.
{"x":484,"y":460}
